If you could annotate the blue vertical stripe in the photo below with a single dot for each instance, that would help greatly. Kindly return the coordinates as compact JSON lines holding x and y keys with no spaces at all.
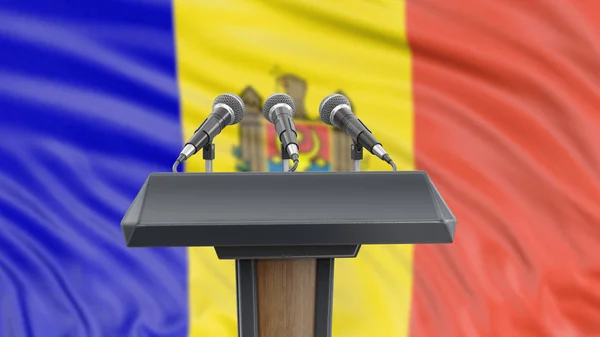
{"x":88,"y":108}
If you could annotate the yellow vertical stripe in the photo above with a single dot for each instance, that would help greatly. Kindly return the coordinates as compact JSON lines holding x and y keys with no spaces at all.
{"x":355,"y":46}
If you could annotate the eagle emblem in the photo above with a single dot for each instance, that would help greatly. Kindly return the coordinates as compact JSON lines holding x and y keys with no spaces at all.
{"x":322,"y":148}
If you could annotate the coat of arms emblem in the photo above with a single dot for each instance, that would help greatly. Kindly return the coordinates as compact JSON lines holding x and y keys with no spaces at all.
{"x":322,"y":148}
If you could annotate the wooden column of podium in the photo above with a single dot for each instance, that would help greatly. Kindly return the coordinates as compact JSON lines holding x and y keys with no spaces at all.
{"x":285,"y":230}
{"x":286,"y":296}
{"x":285,"y":300}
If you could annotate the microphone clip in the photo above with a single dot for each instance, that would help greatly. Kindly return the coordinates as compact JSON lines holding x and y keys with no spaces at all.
{"x":284,"y":153}
{"x":208,"y":151}
{"x":356,"y":154}
{"x":356,"y":151}
{"x":208,"y":154}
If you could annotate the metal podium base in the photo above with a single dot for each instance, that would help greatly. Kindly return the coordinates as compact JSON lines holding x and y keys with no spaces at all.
{"x":317,"y":261}
{"x":247,"y":306}
{"x":324,"y":297}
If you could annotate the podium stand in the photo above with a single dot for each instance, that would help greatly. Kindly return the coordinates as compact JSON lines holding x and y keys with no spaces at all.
{"x":284,"y":231}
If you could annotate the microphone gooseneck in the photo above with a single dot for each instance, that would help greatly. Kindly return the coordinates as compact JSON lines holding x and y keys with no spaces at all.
{"x":335,"y":110}
{"x":228,"y":109}
{"x":279,"y":109}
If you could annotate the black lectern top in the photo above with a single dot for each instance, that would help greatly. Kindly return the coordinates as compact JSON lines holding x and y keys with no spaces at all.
{"x":262,"y":209}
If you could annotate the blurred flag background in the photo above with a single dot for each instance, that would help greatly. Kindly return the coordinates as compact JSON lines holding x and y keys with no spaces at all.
{"x":496,"y":100}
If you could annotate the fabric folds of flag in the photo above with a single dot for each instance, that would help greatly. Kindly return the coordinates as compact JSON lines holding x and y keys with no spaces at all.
{"x":506,"y":124}
{"x":495,"y":100}
{"x":88,"y":107}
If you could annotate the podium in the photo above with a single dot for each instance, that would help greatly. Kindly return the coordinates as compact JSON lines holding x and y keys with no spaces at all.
{"x":284,"y":231}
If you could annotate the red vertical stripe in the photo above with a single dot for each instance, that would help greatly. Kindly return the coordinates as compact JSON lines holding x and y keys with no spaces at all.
{"x":507,"y":123}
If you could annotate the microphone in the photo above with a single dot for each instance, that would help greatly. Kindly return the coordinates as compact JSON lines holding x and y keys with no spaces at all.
{"x":228,"y":109}
{"x":335,"y":110}
{"x":279,"y":109}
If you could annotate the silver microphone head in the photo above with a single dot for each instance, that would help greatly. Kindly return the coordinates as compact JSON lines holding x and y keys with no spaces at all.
{"x":277,"y":99}
{"x":235,"y":103}
{"x":328,"y":104}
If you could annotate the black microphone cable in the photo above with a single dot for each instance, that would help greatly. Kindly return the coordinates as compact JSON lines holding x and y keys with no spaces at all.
{"x":295,"y":166}
{"x":177,"y":162}
{"x":387,"y":159}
